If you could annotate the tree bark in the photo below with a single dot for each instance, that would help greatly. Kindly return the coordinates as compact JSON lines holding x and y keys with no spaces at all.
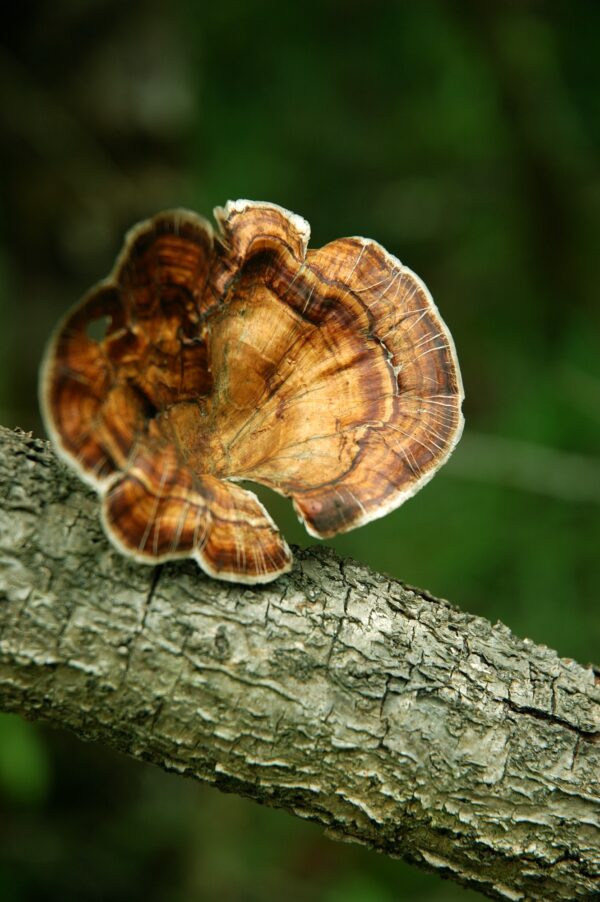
{"x":389,"y":716}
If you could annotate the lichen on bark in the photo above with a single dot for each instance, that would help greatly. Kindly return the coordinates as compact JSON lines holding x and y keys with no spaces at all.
{"x":389,"y":716}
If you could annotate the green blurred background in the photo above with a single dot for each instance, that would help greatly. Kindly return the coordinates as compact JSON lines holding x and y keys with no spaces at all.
{"x":464,"y":137}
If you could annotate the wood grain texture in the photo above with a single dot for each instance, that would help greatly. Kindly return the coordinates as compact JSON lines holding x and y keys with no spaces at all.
{"x":327,"y":375}
{"x":389,"y":716}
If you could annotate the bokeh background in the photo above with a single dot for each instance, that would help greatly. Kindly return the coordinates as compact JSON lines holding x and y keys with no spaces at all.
{"x":464,"y":136}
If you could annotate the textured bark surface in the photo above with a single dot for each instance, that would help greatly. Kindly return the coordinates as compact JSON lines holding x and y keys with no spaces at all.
{"x":341,"y":695}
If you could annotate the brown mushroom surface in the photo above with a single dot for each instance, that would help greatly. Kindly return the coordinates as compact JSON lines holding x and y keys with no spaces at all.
{"x":327,"y":375}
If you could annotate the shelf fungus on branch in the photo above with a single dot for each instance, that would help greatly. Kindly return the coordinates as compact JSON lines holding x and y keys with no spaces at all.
{"x":209,"y":358}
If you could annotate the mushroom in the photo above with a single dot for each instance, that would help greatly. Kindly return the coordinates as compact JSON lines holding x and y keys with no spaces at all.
{"x":206,"y":358}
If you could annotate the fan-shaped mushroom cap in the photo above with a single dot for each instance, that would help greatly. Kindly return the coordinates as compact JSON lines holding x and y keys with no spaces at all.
{"x":326,"y":374}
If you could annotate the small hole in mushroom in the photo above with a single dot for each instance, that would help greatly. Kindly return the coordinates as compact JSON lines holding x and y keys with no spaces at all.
{"x":96,"y":329}
{"x":149,"y":409}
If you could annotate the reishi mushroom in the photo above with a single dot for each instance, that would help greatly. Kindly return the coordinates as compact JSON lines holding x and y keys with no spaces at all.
{"x":209,"y":358}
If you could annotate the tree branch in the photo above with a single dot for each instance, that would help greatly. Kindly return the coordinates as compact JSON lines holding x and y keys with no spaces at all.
{"x":339,"y":694}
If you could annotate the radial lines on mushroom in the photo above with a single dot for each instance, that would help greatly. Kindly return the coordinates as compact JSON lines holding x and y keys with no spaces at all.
{"x":209,"y":357}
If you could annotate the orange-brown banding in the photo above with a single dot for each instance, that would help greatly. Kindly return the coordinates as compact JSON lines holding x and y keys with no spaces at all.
{"x":327,"y":375}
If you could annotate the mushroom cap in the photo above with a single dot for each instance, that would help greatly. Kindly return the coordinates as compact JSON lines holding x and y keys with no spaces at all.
{"x":205,"y":359}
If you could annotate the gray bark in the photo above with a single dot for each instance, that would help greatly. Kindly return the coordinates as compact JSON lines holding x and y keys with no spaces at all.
{"x":389,"y":716}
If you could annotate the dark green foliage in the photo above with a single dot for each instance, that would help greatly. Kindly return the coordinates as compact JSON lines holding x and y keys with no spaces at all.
{"x":464,"y":137}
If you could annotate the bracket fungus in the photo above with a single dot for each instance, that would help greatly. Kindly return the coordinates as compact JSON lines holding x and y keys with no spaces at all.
{"x":210,"y":357}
